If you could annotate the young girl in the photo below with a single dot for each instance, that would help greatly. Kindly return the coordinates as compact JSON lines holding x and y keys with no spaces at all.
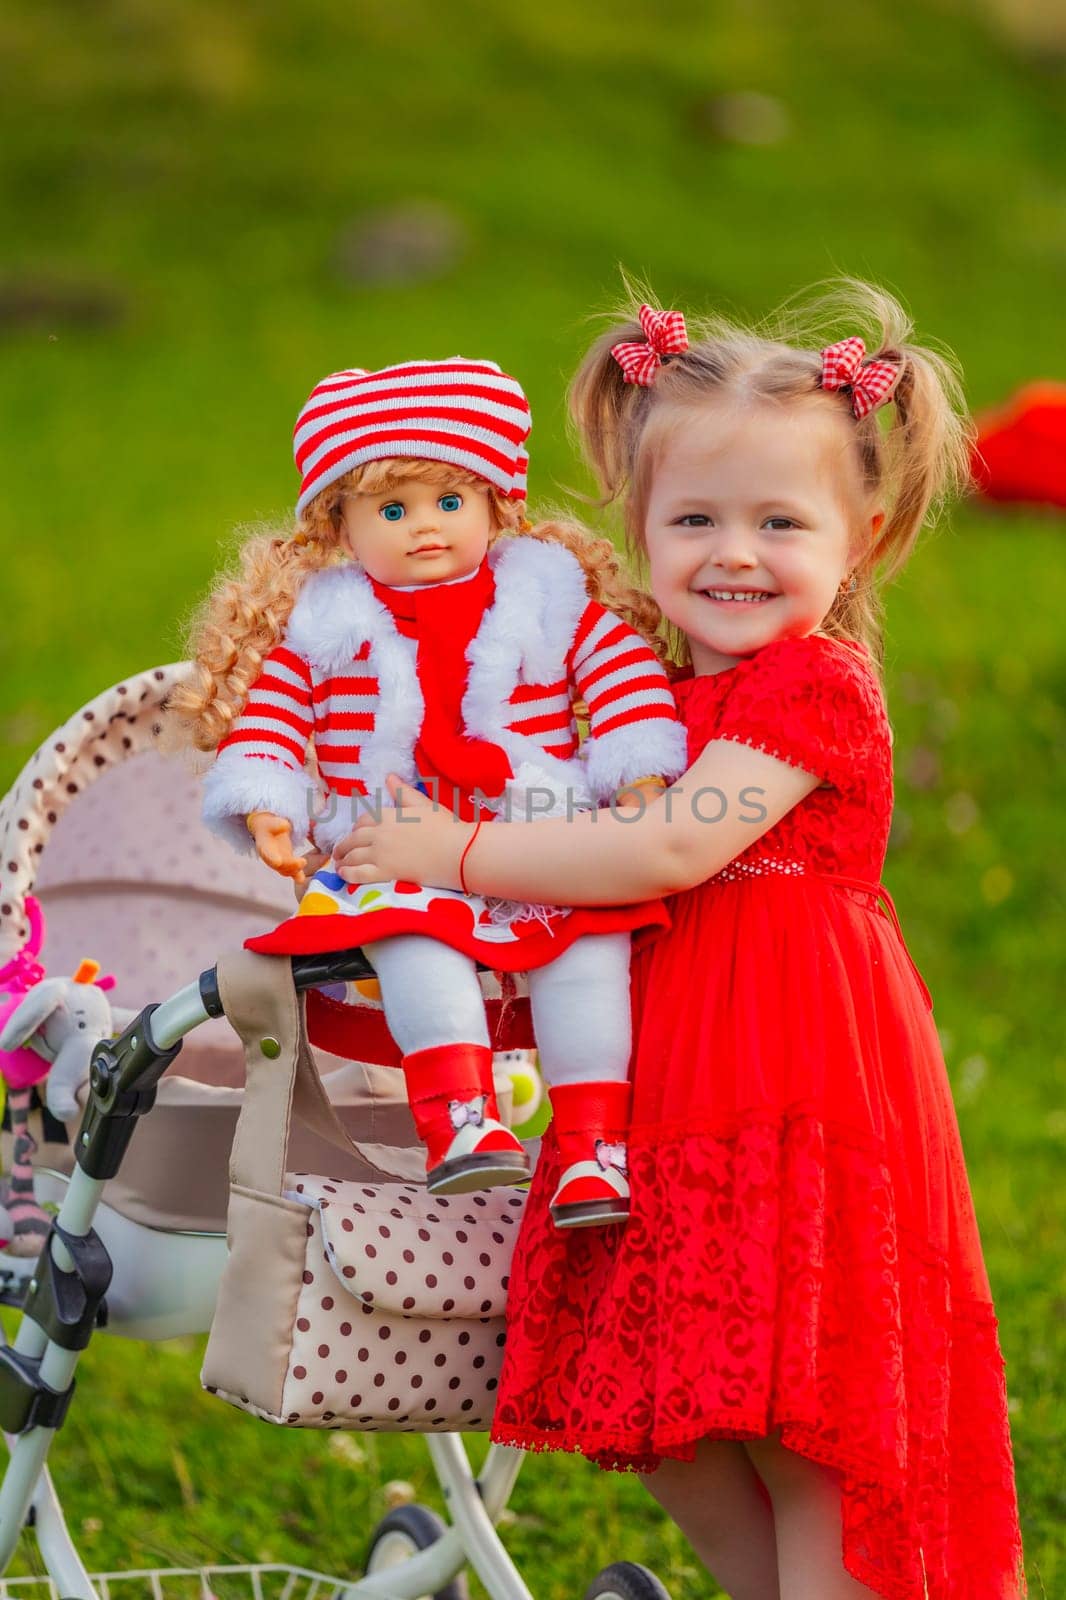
{"x":796,"y":1328}
{"x":452,"y":647}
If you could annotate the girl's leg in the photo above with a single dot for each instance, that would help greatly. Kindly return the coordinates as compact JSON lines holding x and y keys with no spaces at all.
{"x":722,"y":1509}
{"x":807,"y":1524}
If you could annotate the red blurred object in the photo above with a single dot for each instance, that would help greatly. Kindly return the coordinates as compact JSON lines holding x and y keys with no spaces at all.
{"x":1021,"y":448}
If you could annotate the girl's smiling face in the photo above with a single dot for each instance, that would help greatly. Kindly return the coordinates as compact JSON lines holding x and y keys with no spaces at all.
{"x":754,"y":516}
{"x":419,"y":531}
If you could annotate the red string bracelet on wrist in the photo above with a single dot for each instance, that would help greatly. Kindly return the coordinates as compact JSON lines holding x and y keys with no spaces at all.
{"x":466,"y":851}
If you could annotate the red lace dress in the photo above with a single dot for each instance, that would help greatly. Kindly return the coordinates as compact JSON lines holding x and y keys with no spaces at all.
{"x":803,"y":1253}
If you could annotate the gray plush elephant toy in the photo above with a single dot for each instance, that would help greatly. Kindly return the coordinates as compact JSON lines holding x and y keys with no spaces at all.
{"x":62,"y":1020}
{"x":59,"y":1020}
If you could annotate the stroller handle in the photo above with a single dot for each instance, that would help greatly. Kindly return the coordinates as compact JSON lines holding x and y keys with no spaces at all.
{"x":335,"y":966}
{"x":125,"y":1071}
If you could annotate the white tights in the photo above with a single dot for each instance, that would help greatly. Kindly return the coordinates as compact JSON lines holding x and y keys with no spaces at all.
{"x":580,"y":1003}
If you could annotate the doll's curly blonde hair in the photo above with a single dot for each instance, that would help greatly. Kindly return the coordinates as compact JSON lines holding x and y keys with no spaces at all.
{"x":245,"y":616}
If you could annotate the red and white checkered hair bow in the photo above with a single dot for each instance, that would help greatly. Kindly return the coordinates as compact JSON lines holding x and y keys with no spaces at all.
{"x":666,"y":336}
{"x":844,"y":366}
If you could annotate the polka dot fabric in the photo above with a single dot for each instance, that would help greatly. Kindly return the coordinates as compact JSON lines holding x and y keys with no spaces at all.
{"x":117,"y":724}
{"x":399,"y":1322}
{"x":422,"y":1255}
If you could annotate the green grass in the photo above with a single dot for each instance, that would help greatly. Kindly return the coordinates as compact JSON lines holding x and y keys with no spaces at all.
{"x":196,"y":165}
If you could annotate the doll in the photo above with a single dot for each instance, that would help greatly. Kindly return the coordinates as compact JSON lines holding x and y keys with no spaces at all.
{"x":416,"y":623}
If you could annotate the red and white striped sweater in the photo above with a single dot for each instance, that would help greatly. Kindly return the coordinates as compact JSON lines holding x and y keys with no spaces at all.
{"x":345,"y":677}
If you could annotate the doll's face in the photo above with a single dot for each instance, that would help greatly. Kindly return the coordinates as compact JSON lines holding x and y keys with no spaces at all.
{"x":419,"y":532}
{"x":754,"y":517}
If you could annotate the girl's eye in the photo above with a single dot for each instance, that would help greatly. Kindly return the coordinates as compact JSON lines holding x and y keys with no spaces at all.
{"x":779,"y":522}
{"x":450,"y":502}
{"x":393,"y":512}
{"x":693,"y":519}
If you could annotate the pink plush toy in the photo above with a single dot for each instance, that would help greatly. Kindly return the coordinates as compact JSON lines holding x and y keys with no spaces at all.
{"x":22,"y":1066}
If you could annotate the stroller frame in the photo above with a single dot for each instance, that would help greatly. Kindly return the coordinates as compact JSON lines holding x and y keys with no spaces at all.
{"x":68,"y":1287}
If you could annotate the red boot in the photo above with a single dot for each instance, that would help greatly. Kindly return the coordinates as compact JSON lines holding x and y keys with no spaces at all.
{"x":591,"y":1122}
{"x":454,"y":1106}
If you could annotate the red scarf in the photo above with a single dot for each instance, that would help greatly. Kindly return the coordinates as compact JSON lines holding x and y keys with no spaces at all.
{"x":444,"y":617}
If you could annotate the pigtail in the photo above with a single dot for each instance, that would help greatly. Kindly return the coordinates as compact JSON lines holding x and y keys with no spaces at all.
{"x":607,"y":416}
{"x":606,"y":412}
{"x":927,"y":449}
{"x":920,"y":462}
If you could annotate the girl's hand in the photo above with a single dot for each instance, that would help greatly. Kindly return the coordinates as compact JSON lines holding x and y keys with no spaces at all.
{"x":418,"y":841}
{"x":313,"y":859}
{"x":273,"y":844}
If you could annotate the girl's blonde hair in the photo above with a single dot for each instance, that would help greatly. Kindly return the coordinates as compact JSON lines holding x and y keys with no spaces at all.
{"x":245,"y":616}
{"x":912,"y":467}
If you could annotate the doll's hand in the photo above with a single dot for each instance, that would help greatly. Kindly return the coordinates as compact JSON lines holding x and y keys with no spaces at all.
{"x":312,"y":859}
{"x":273,"y":844}
{"x":639,"y":794}
{"x":416,"y":841}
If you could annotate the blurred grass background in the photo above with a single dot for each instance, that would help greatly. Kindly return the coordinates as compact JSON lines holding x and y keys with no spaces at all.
{"x":207,"y":207}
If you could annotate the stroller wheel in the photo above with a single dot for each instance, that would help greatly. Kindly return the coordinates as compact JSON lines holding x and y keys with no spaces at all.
{"x":625,"y":1580}
{"x":400,"y":1534}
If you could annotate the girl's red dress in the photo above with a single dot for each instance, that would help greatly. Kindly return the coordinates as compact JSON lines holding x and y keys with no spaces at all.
{"x":803,"y":1253}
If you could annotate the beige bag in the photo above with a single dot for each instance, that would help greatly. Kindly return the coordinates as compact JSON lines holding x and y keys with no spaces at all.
{"x":369,"y":1305}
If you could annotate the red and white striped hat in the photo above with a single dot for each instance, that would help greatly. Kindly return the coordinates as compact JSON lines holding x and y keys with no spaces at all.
{"x":467,"y":413}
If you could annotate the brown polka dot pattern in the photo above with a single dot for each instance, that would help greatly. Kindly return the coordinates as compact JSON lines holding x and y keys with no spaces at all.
{"x":115,"y":880}
{"x":67,"y":762}
{"x":459,"y":1246}
{"x":378,"y":1355}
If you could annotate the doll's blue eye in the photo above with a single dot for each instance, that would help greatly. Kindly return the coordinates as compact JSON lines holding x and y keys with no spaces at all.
{"x":450,"y":502}
{"x":393,"y":512}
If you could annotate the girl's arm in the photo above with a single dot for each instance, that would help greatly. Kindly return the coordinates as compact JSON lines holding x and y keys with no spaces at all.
{"x":726,"y":800}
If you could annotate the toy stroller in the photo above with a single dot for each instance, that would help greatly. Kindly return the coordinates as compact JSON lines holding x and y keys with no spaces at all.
{"x":141,"y":1226}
